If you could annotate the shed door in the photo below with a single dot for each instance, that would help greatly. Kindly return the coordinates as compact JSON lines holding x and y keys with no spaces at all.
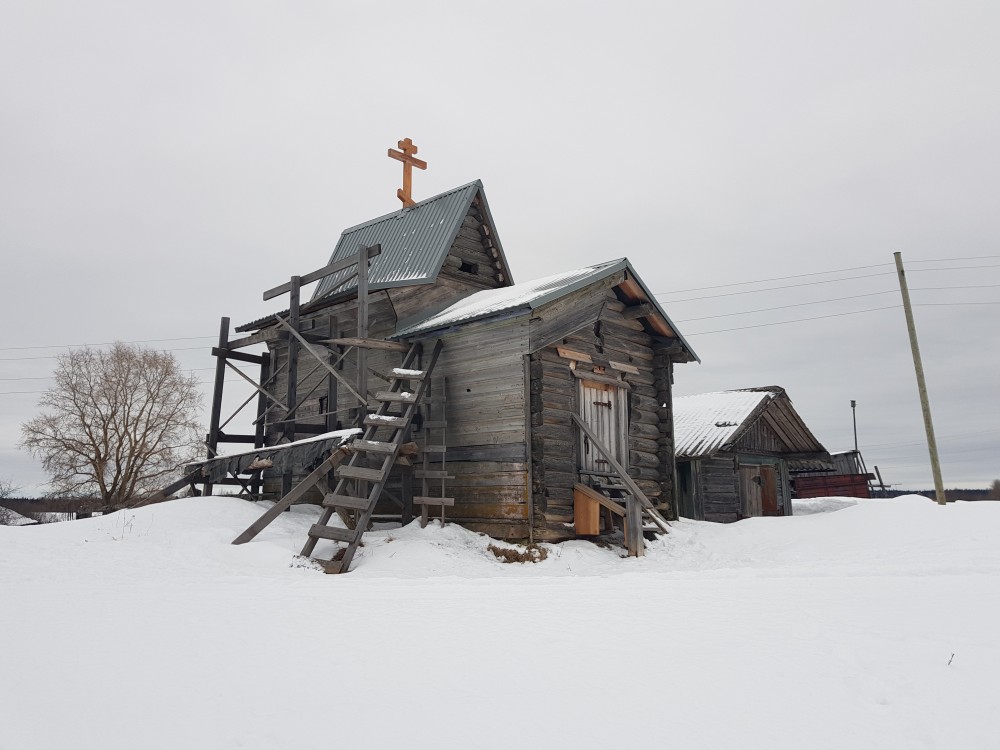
{"x":750,"y":491}
{"x":769,"y":491}
{"x":602,"y":408}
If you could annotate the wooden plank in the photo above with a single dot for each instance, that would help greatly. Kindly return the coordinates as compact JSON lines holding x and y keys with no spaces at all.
{"x":254,"y":359}
{"x":373,"y":446}
{"x":263,"y":336}
{"x":423,"y":500}
{"x":380,"y":420}
{"x":332,"y":500}
{"x":320,"y":273}
{"x":402,"y":373}
{"x":432,"y":474}
{"x":359,"y":472}
{"x":622,"y":366}
{"x":335,"y":533}
{"x":573,"y":354}
{"x":389,"y":346}
{"x":403,"y":397}
{"x":597,"y":497}
{"x":285,"y":502}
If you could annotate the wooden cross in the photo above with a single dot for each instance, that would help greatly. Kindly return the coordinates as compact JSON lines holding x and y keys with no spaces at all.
{"x":406,"y":155}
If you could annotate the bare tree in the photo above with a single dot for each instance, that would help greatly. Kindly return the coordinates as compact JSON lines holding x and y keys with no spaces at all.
{"x":116,"y":422}
{"x":995,"y":490}
{"x":7,"y":489}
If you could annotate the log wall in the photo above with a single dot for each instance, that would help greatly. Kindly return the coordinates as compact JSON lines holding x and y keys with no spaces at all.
{"x":604,"y":335}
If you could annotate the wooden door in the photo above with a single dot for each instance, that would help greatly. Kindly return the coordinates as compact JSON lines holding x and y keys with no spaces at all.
{"x":602,"y":409}
{"x":750,"y":491}
{"x":769,"y":491}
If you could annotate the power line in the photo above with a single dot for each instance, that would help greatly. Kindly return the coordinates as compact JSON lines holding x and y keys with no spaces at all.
{"x":785,"y":307}
{"x":853,"y":296}
{"x":776,"y":278}
{"x":808,"y":283}
{"x":921,"y":442}
{"x":105,"y":343}
{"x":797,"y":320}
{"x":200,"y":382}
{"x":952,"y":260}
{"x":774,"y":288}
{"x":56,"y":356}
{"x":953,"y":268}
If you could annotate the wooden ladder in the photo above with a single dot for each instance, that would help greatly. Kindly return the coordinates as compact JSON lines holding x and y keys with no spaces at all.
{"x":434,"y":468}
{"x":353,"y":473}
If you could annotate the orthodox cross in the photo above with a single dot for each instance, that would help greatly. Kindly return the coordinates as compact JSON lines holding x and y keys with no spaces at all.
{"x":406,"y":155}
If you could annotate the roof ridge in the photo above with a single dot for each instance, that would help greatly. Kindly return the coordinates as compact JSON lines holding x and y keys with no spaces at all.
{"x":400,"y":211}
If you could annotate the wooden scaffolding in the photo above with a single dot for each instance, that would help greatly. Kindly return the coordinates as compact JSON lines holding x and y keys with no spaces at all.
{"x":351,"y":471}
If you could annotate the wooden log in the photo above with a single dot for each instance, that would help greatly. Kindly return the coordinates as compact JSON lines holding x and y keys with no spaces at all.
{"x":642,"y":472}
{"x":643,"y":444}
{"x":642,"y":458}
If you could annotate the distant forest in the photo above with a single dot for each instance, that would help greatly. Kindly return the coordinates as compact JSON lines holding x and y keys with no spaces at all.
{"x":952,"y":495}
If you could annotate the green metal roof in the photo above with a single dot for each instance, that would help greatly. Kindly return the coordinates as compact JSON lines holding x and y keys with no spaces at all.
{"x":414,"y":240}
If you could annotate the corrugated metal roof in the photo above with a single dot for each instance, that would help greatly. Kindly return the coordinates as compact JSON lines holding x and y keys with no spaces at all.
{"x":530,"y":294}
{"x":414,"y":242}
{"x":706,"y":422}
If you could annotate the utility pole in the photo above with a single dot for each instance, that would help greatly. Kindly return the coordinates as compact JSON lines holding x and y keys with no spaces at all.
{"x":921,"y":383}
{"x":854,"y":416}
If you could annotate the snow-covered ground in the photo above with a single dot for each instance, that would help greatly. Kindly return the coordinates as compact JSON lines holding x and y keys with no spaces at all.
{"x":872,"y":624}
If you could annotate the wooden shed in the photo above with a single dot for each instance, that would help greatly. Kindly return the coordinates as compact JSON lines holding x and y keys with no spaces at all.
{"x":519,"y":398}
{"x":734,"y":450}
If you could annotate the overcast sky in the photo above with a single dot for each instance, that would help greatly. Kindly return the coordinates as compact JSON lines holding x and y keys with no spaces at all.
{"x":162,"y":163}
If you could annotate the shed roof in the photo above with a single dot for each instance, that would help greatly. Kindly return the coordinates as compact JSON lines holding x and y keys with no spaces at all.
{"x":527,"y":296}
{"x":709,"y":422}
{"x":414,"y":240}
{"x":706,"y":422}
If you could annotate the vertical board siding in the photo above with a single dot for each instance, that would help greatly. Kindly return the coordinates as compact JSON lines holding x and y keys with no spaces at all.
{"x":483,"y":366}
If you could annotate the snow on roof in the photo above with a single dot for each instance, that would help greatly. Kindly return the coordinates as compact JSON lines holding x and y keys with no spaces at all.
{"x":489,"y":301}
{"x":705,"y":422}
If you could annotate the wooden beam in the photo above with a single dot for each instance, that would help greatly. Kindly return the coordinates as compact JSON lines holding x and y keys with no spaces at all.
{"x":574,"y":355}
{"x":212,"y":439}
{"x":597,"y":497}
{"x":225,"y":437}
{"x":320,"y":273}
{"x":267,"y":393}
{"x":322,"y":360}
{"x":253,"y":359}
{"x":263,"y":336}
{"x":390,"y":346}
{"x":642,"y":310}
{"x":286,"y":502}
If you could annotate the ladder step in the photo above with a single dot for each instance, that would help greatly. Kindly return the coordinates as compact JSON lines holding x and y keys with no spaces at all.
{"x":399,"y":373}
{"x":434,"y":424}
{"x":435,"y":448}
{"x":404,"y":397}
{"x":420,"y":500}
{"x":427,"y":474}
{"x":337,"y":534}
{"x":345,"y":501}
{"x":372,"y":446}
{"x":332,"y":566}
{"x":379,"y":420}
{"x":358,"y":472}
